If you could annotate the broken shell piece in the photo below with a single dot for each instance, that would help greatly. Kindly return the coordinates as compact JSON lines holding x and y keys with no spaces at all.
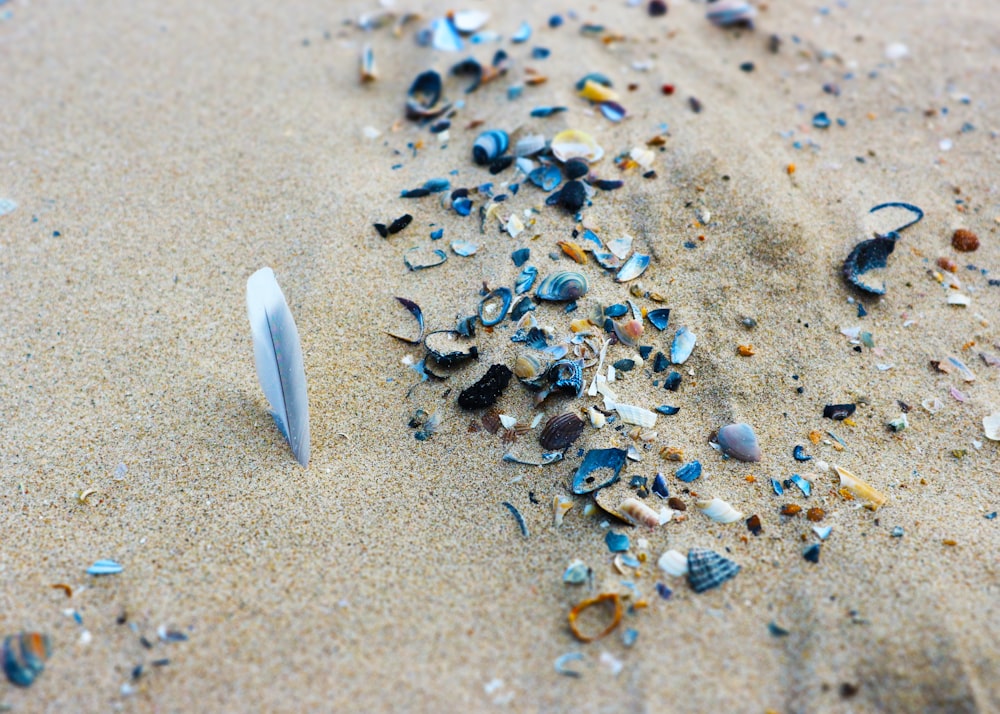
{"x":560,"y":507}
{"x":597,"y":420}
{"x":719,"y":511}
{"x":673,"y":563}
{"x":613,"y":598}
{"x":577,"y":572}
{"x":991,"y":425}
{"x":707,"y":569}
{"x":860,"y":489}
{"x":682,"y":346}
{"x":575,"y":144}
{"x":23,"y":657}
{"x":638,"y":513}
{"x":589,"y":476}
{"x":636,"y":415}
{"x":368,"y":71}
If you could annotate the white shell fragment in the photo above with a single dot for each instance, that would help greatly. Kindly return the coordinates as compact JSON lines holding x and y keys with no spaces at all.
{"x":682,"y":346}
{"x":991,"y":425}
{"x":575,"y":144}
{"x":719,"y":511}
{"x":859,"y":489}
{"x":673,"y":563}
{"x":959,"y":299}
{"x":636,"y":415}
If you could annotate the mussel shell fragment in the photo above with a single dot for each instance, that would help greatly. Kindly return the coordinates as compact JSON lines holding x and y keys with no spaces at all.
{"x":487,"y":390}
{"x":424,"y":97}
{"x":560,"y":431}
{"x":707,"y":569}
{"x":446,"y":348}
{"x":591,"y":476}
{"x":659,"y":318}
{"x":489,"y":145}
{"x":566,"y":376}
{"x":731,"y":13}
{"x":419,"y":258}
{"x":525,"y":280}
{"x":689,"y":472}
{"x":494,"y":307}
{"x":562,"y":287}
{"x":520,"y":256}
{"x":23,"y":657}
{"x":869,"y":255}
{"x":414,"y":309}
{"x":522,"y":308}
{"x":682,"y":346}
{"x":546,"y":178}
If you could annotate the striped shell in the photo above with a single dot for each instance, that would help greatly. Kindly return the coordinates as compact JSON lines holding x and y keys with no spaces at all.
{"x":638,"y":513}
{"x":707,"y":569}
{"x":525,"y":280}
{"x":562,"y":287}
{"x":636,"y":415}
{"x":719,"y":511}
{"x":560,"y":431}
{"x":23,"y":657}
{"x":673,"y":563}
{"x":489,"y":145}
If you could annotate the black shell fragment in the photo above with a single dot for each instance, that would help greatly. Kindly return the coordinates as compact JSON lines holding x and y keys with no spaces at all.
{"x":587,"y":479}
{"x":415,"y":193}
{"x":660,"y":486}
{"x":800,"y":454}
{"x":520,"y":256}
{"x":399,"y":224}
{"x":522,"y":308}
{"x":487,"y":390}
{"x":575,"y":168}
{"x":660,"y":362}
{"x":382,"y":229}
{"x":672,"y":382}
{"x":607,"y":184}
{"x":447,"y":350}
{"x":501,"y":163}
{"x":869,"y":255}
{"x":424,"y":97}
{"x":624,"y":365}
{"x":560,"y":431}
{"x":838,"y":412}
{"x":571,"y":196}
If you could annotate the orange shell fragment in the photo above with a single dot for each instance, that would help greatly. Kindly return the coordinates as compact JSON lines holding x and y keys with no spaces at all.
{"x":574,"y":251}
{"x":613,"y":598}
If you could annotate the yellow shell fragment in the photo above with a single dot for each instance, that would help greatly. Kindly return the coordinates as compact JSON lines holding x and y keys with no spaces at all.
{"x":597,"y":92}
{"x":860,"y":489}
{"x":560,"y":507}
{"x":576,"y":144}
{"x":573,"y":250}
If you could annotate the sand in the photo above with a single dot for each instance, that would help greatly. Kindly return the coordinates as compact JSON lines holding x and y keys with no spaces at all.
{"x":160,"y":153}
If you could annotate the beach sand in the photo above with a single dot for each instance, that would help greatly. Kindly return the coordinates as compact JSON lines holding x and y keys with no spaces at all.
{"x":160,"y":153}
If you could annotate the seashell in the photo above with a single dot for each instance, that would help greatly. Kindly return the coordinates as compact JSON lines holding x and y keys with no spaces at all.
{"x":573,"y":250}
{"x":617,"y":542}
{"x":591,"y":476}
{"x":707,"y":569}
{"x":811,"y":552}
{"x":612,"y":111}
{"x":718,"y":510}
{"x":487,"y":390}
{"x":562,"y":287}
{"x":447,"y":351}
{"x":660,"y":486}
{"x":466,"y":326}
{"x":991,"y":426}
{"x":560,"y":507}
{"x":838,"y":412}
{"x":522,"y":34}
{"x":591,"y":241}
{"x":689,"y":472}
{"x":614,"y":598}
{"x":566,"y":376}
{"x":522,"y":308}
{"x":682,"y":346}
{"x":23,"y":657}
{"x":577,"y":573}
{"x":636,"y":415}
{"x":489,"y":145}
{"x":803,"y":485}
{"x":779,"y":490}
{"x":525,"y":279}
{"x":576,"y":144}
{"x":575,"y":169}
{"x":493,"y":308}
{"x":823,"y":532}
{"x":546,"y":178}
{"x":464,"y":248}
{"x":608,"y":261}
{"x":597,"y":420}
{"x":799,"y":453}
{"x":468,"y":21}
{"x":963,"y":370}
{"x":529,"y":145}
{"x":529,"y":367}
{"x":731,"y":13}
{"x":615,"y":310}
{"x":368,"y":71}
{"x":419,"y":258}
{"x":560,"y":431}
{"x":597,"y":92}
{"x":638,"y":513}
{"x":104,"y":567}
{"x":739,"y":442}
{"x":547,"y":111}
{"x":860,"y":489}
{"x":672,"y":381}
{"x":520,"y":256}
{"x":659,"y":318}
{"x":673,"y":563}
{"x":548,"y":458}
{"x":628,"y":333}
{"x":424,"y":97}
{"x":414,"y":309}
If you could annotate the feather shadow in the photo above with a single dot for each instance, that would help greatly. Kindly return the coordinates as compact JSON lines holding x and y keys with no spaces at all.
{"x":278,"y":354}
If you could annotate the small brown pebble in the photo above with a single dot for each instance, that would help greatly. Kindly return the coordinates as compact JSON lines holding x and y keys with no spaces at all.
{"x":754,"y":526}
{"x":676,"y":504}
{"x":964,"y":240}
{"x":815,"y":514}
{"x":848,"y":690}
{"x":790,"y":509}
{"x":947,"y":264}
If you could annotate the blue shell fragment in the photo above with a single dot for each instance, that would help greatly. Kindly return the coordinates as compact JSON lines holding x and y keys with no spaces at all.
{"x":869,"y":255}
{"x":612,"y":111}
{"x":821,"y":120}
{"x":462,"y":206}
{"x":600,"y":468}
{"x":811,"y":553}
{"x":682,"y":346}
{"x":617,"y":542}
{"x":493,"y":308}
{"x":689,"y":472}
{"x":517,"y":517}
{"x":672,"y":381}
{"x":545,"y":111}
{"x":633,"y":268}
{"x":660,"y":486}
{"x":660,"y":362}
{"x":624,"y":365}
{"x":23,"y":657}
{"x":707,"y":569}
{"x":489,"y":145}
{"x":522,"y":308}
{"x":423,"y":99}
{"x":522,"y":34}
{"x":418,"y":258}
{"x":562,"y":287}
{"x":526,"y":279}
{"x":104,"y":567}
{"x":546,"y":177}
{"x":418,"y":315}
{"x":615,"y":310}
{"x":663,"y":591}
{"x":799,"y":453}
{"x":667,"y":410}
{"x":778,"y":488}
{"x":520,"y":256}
{"x":803,"y":485}
{"x":659,"y":318}
{"x":464,"y":248}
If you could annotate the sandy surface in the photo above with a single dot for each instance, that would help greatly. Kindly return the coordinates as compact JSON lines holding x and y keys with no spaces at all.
{"x":159,"y":153}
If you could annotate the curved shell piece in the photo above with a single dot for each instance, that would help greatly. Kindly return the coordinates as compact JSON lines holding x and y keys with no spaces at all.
{"x":489,"y":145}
{"x":739,"y":442}
{"x":576,"y":144}
{"x":525,"y":280}
{"x":607,"y":260}
{"x":731,"y":13}
{"x":597,"y":92}
{"x":638,"y":513}
{"x":494,"y":307}
{"x":633,"y":268}
{"x":562,"y":287}
{"x":718,"y":510}
{"x":689,"y":472}
{"x":418,"y":257}
{"x":682,"y":346}
{"x":561,"y":431}
{"x":424,"y":97}
{"x":414,"y":309}
{"x":707,"y":569}
{"x":991,"y":425}
{"x":874,"y":499}
{"x":613,"y":598}
{"x":529,"y":367}
{"x":23,"y":657}
{"x":447,"y":349}
{"x":674,"y":563}
{"x":631,"y":414}
{"x":560,"y":507}
{"x":600,"y":468}
{"x":546,"y":178}
{"x":566,"y":376}
{"x":628,"y":333}
{"x":659,"y":318}
{"x":529,"y":145}
{"x":104,"y":567}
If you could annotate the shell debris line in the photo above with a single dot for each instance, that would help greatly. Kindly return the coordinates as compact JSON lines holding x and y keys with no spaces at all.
{"x":582,"y":340}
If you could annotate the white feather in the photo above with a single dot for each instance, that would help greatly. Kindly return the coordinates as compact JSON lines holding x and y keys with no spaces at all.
{"x":279,"y":360}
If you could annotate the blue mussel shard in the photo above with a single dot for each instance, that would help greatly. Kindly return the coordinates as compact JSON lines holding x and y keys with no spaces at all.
{"x":659,"y":318}
{"x":546,"y":178}
{"x":689,"y":472}
{"x":799,"y":453}
{"x":489,"y":145}
{"x":447,"y":350}
{"x":414,"y":309}
{"x":617,"y":542}
{"x":803,"y":485}
{"x":562,"y":287}
{"x":525,"y":280}
{"x":600,"y":468}
{"x":660,"y":486}
{"x":682,"y":346}
{"x":23,"y":657}
{"x":494,"y":307}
